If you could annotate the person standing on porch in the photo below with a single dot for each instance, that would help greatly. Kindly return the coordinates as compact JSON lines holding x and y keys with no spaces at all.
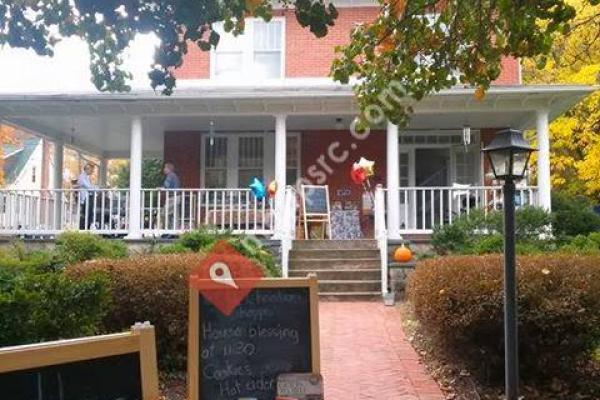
{"x":173,"y":198}
{"x":86,"y":196}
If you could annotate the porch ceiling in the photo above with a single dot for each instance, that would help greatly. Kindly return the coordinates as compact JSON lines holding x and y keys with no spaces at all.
{"x":100,"y":123}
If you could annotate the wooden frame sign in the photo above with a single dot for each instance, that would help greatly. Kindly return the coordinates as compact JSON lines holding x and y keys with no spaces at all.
{"x":273,"y":331}
{"x":315,"y":207}
{"x":121,"y":365}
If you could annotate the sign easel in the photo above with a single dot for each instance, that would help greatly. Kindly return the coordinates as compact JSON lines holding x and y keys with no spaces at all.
{"x":121,"y":365}
{"x":315,"y":207}
{"x":275,"y":330}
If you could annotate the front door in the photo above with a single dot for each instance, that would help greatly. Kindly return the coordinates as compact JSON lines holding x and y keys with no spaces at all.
{"x":432,"y":170}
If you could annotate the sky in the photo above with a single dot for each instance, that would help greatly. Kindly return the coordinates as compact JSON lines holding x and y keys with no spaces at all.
{"x":23,"y":71}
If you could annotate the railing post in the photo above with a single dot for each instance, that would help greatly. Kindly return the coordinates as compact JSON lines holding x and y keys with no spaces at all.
{"x":57,"y":176}
{"x":135,"y":179}
{"x":381,"y":236}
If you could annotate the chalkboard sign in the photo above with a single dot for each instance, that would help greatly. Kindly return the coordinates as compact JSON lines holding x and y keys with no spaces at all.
{"x":109,"y":367}
{"x":316,"y":200}
{"x":273,"y":331}
{"x":315,"y":207}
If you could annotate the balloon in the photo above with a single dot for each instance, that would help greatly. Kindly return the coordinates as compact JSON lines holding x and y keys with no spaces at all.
{"x":358,"y":175}
{"x":258,"y":189}
{"x":272,"y":188}
{"x":367,"y":165}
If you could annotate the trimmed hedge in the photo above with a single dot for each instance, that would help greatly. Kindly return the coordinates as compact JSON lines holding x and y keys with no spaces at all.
{"x":459,"y":300}
{"x":148,"y":288}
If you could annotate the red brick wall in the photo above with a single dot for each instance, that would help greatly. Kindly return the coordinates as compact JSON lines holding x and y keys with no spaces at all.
{"x":308,"y":56}
{"x":183,"y":150}
{"x":511,"y":72}
{"x":196,"y":64}
{"x":318,"y":162}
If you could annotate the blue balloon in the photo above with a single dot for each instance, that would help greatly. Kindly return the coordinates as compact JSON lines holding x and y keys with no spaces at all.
{"x":258,"y":189}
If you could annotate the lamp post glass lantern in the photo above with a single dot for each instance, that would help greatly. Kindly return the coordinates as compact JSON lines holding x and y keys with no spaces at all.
{"x":509,"y":154}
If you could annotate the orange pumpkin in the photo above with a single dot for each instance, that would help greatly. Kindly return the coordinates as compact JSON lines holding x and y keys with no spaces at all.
{"x":402,"y":254}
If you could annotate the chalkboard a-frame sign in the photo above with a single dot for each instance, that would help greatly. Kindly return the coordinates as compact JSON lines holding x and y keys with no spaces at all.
{"x":315,"y":207}
{"x":274,"y":330}
{"x":108,"y":367}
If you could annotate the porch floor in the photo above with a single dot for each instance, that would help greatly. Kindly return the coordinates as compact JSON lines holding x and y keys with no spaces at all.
{"x":366,"y":356}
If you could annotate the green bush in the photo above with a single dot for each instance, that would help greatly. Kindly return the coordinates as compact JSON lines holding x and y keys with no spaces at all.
{"x":74,"y":247}
{"x":173,"y":248}
{"x":39,"y":305}
{"x":582,"y":244}
{"x":200,"y":239}
{"x":572,"y":216}
{"x":478,"y":233}
{"x":459,"y":301}
{"x":204,"y":240}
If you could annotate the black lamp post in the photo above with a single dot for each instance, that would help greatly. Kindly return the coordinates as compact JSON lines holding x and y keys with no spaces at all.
{"x":509,"y":154}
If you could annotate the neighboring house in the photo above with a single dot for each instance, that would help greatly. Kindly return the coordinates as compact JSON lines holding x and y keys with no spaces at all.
{"x":262,"y":105}
{"x":26,"y":164}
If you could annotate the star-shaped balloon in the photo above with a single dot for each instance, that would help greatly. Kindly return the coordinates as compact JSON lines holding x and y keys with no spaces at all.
{"x":367,"y":165}
{"x":258,"y":189}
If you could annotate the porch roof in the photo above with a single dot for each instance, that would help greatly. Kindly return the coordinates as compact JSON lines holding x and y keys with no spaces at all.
{"x":99,"y":122}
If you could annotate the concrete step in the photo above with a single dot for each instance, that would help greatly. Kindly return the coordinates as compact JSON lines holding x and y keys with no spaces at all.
{"x":339,"y":275}
{"x":348,"y":254}
{"x":362,"y":244}
{"x":334,"y":264}
{"x":349,"y":286}
{"x":350,"y":296}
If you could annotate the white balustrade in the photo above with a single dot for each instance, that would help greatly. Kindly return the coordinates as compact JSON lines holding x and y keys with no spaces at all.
{"x":288,"y":233}
{"x":423,"y":208}
{"x":172,"y":211}
{"x":381,"y":236}
{"x":51,"y":211}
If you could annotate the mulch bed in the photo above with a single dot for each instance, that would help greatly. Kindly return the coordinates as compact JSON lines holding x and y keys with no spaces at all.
{"x":457,"y":382}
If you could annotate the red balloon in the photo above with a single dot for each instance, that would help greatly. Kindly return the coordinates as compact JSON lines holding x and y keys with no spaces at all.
{"x":358,"y":175}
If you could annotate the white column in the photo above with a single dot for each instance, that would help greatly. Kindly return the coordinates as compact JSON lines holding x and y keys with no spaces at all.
{"x":280,"y":172}
{"x":103,"y":173}
{"x":543,"y":161}
{"x":393,"y":182}
{"x":57,"y":182}
{"x":135,"y":179}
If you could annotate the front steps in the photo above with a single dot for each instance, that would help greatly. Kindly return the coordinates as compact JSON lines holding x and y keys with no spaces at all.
{"x":346,"y":269}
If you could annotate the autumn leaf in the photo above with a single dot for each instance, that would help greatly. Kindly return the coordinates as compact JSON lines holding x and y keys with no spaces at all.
{"x":398,"y":7}
{"x":479,"y":93}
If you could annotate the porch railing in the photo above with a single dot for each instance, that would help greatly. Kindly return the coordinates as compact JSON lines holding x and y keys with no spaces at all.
{"x":288,"y":228}
{"x":39,"y":212}
{"x":179,"y":210}
{"x":381,"y":236}
{"x":423,"y":208}
{"x":106,"y":211}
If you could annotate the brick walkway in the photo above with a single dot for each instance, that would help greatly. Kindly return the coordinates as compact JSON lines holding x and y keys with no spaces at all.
{"x":365,"y":355}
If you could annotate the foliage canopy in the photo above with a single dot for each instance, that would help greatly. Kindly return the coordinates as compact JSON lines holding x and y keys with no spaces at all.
{"x":416,"y":47}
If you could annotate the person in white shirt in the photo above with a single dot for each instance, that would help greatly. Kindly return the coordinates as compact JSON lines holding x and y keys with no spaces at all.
{"x":86,"y":196}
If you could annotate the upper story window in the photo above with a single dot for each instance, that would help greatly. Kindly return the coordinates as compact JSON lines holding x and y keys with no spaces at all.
{"x":257,"y":54}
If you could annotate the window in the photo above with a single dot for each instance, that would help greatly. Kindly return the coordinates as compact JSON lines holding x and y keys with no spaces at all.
{"x":467,"y":167}
{"x":257,"y":54}
{"x":250,"y":160}
{"x":293,"y":163}
{"x":215,"y":155}
{"x":33,"y":171}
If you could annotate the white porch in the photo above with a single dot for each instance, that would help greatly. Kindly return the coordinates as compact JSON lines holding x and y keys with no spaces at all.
{"x":133,"y":126}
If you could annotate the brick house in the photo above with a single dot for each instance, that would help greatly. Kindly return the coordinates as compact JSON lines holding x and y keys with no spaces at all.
{"x":262,"y":105}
